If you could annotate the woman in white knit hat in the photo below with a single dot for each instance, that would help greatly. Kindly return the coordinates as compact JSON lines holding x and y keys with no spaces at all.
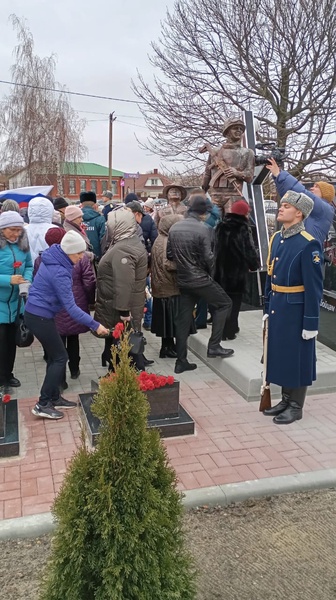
{"x":50,"y":292}
{"x":16,"y":268}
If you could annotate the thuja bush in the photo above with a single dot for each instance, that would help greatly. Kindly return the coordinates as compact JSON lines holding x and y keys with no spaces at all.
{"x":119,"y":515}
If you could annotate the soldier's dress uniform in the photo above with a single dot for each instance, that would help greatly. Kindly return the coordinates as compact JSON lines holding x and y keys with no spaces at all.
{"x":293,"y":293}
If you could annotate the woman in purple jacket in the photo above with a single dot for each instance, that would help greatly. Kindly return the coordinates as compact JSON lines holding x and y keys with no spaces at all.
{"x":51,"y":292}
{"x":83,"y":287}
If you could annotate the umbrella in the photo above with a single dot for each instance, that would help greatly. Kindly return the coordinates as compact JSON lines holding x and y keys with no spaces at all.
{"x":23,"y":195}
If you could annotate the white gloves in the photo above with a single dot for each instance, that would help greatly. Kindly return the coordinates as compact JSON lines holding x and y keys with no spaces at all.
{"x":263,"y":322}
{"x":308,"y":335}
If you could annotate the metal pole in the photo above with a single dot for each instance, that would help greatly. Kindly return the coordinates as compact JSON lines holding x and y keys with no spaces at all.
{"x":111,"y":119}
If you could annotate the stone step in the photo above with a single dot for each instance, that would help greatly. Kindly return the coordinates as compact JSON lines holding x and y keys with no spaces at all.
{"x":243,"y":370}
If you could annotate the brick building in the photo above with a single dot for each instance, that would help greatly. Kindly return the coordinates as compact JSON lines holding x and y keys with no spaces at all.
{"x":74,"y":178}
{"x":146,"y":185}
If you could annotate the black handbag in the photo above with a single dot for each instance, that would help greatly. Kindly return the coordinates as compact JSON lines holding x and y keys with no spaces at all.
{"x":136,"y":340}
{"x":23,"y":337}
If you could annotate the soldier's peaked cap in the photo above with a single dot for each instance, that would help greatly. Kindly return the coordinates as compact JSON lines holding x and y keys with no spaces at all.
{"x":232,"y":121}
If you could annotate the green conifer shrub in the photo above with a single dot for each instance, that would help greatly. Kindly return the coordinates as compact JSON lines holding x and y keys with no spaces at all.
{"x":119,"y":534}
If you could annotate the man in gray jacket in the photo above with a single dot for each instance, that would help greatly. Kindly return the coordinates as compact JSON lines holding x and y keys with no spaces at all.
{"x":189,"y":246}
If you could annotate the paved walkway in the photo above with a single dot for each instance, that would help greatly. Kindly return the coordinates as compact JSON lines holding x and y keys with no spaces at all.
{"x":233,"y":441}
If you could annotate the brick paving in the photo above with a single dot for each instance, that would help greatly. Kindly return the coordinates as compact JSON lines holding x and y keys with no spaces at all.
{"x":233,"y":441}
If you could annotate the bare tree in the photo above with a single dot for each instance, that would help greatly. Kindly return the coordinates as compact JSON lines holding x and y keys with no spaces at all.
{"x":216,"y":58}
{"x":39,"y":127}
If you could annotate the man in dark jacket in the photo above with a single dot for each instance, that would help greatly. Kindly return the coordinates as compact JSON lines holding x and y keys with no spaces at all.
{"x":146,"y":223}
{"x":94,"y":222}
{"x":190,"y":247}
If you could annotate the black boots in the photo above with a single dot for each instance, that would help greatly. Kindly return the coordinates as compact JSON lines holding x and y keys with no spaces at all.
{"x":281,"y":406}
{"x":184,"y":365}
{"x":290,"y":407}
{"x":168,"y":349}
{"x":218,"y":351}
{"x":293,"y":411}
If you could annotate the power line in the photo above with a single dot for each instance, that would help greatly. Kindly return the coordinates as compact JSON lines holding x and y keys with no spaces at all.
{"x":38,"y":87}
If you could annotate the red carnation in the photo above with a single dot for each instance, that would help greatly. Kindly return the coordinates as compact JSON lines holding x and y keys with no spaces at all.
{"x":117,"y":331}
{"x":17,"y":264}
{"x":6,"y":398}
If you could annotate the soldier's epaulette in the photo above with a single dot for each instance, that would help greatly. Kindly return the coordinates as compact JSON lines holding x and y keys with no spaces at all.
{"x":307,"y":236}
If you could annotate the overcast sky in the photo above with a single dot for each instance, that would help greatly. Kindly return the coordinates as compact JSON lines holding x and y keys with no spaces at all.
{"x":99,"y":45}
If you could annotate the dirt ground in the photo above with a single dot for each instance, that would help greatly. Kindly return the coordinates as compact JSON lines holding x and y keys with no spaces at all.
{"x":279,"y":548}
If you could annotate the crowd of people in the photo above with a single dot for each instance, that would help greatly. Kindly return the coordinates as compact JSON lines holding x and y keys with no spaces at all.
{"x":163,"y":270}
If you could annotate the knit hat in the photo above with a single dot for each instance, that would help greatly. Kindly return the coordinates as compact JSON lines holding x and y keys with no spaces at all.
{"x":199,"y":205}
{"x":149,"y":203}
{"x":327,"y":190}
{"x":107,"y":194}
{"x":54,"y":235}
{"x":240,"y":208}
{"x":73,"y":243}
{"x":11,"y":218}
{"x":135,"y":207}
{"x":130,"y":198}
{"x":10,"y":205}
{"x":88,"y":197}
{"x":60,"y":203}
{"x":73,"y":212}
{"x":301,"y":202}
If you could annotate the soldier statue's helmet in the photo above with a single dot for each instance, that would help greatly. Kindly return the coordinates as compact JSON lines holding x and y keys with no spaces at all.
{"x":232,"y":121}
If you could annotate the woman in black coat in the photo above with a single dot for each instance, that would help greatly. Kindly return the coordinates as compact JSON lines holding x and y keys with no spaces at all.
{"x":235,"y":255}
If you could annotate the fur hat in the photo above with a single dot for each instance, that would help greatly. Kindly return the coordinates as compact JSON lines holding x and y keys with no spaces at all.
{"x":178,"y":187}
{"x":11,"y":218}
{"x":60,"y":203}
{"x":88,"y":197}
{"x":73,"y":212}
{"x":327,"y":190}
{"x":240,"y":208}
{"x":54,"y":235}
{"x":107,"y":194}
{"x":149,"y":203}
{"x":131,"y":197}
{"x":301,"y":202}
{"x":10,"y":205}
{"x":73,"y":243}
{"x":232,"y":121}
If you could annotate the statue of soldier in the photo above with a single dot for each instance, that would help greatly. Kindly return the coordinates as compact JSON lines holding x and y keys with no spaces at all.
{"x":228,"y":166}
{"x":174,"y":194}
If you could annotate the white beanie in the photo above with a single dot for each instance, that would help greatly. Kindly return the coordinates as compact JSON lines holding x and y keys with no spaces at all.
{"x":11,"y":218}
{"x":73,"y":243}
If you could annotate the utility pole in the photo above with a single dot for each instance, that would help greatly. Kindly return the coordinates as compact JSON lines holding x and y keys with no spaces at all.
{"x":111,"y":120}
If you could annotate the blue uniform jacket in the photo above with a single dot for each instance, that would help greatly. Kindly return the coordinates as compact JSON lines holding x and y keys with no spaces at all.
{"x":321,"y":217}
{"x":293,"y":261}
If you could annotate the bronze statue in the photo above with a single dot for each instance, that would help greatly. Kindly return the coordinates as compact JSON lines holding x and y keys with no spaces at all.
{"x":228,"y":166}
{"x":174,"y":194}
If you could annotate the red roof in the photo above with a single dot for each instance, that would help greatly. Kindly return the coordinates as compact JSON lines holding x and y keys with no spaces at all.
{"x":140,"y":182}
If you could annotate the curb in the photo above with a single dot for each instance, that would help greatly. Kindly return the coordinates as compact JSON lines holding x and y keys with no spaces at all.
{"x":220,"y":495}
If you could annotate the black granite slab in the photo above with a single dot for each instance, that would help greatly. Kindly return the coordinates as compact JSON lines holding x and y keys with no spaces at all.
{"x":9,"y":439}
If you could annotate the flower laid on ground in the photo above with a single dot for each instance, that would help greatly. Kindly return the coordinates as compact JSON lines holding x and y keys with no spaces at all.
{"x":150,"y":381}
{"x":5,"y":398}
{"x":117,"y":331}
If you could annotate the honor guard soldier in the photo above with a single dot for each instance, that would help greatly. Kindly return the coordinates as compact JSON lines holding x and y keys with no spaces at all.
{"x":293,"y":293}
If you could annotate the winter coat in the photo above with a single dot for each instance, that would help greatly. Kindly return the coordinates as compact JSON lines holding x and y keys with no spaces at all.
{"x":83,"y":287}
{"x":163,"y":271}
{"x":121,"y":282}
{"x":149,"y":231}
{"x":51,"y":290}
{"x":189,"y":245}
{"x":293,"y":261}
{"x":40,"y":214}
{"x":9,"y":294}
{"x":320,"y":219}
{"x":95,"y":228}
{"x":235,"y":253}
